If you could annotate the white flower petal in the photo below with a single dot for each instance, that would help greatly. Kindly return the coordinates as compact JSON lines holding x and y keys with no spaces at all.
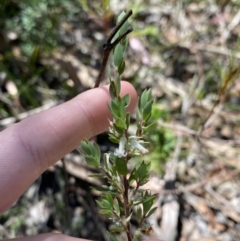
{"x":120,"y":151}
{"x":138,"y":146}
{"x":119,"y":154}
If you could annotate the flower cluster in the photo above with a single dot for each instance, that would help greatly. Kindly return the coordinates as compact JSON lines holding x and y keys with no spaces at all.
{"x":121,"y":150}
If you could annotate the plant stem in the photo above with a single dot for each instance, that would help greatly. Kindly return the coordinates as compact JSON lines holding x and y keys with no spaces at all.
{"x":106,"y":53}
{"x":108,"y":46}
{"x":141,"y":222}
{"x":126,"y":207}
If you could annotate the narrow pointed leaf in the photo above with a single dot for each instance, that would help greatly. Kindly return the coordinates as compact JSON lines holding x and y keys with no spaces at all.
{"x":147,"y":111}
{"x":112,"y":237}
{"x":128,"y":218}
{"x":139,"y":212}
{"x":116,"y":206}
{"x":113,"y":139}
{"x":148,"y":128}
{"x":91,"y":161}
{"x":126,"y":100}
{"x":120,"y":123}
{"x":114,"y":108}
{"x":109,"y":198}
{"x":118,"y":55}
{"x":121,"y":67}
{"x":112,"y":89}
{"x":121,"y":166}
{"x":85,"y":147}
{"x":151,"y":212}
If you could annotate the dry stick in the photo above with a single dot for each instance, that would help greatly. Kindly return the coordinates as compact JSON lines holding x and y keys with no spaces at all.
{"x":108,"y":46}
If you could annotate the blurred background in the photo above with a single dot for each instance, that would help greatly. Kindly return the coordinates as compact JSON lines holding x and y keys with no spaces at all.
{"x":188,"y":53}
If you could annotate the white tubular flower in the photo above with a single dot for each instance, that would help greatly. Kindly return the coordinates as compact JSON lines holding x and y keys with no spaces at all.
{"x":138,"y":146}
{"x":120,"y":152}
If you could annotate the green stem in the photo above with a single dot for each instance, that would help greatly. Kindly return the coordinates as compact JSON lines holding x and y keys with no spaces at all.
{"x":126,"y":207}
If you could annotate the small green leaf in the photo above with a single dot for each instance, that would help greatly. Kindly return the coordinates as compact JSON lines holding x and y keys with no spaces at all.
{"x":118,"y":55}
{"x":145,"y":97}
{"x":92,"y":153}
{"x":104,"y":189}
{"x":106,"y":212}
{"x":119,"y":130}
{"x":113,"y":139}
{"x":122,"y":108}
{"x":106,"y":204}
{"x":128,"y":218}
{"x":115,"y":228}
{"x":120,"y":123}
{"x":120,"y":17}
{"x":143,"y":181}
{"x":126,"y":100}
{"x":85,"y":147}
{"x":92,"y":149}
{"x":132,"y":177}
{"x":112,"y":89}
{"x":147,"y":129}
{"x":139,"y":212}
{"x":125,"y":43}
{"x":112,"y":237}
{"x":116,"y":206}
{"x":121,"y":166}
{"x":147,"y":110}
{"x":151,"y":212}
{"x":122,"y":212}
{"x":142,"y":171}
{"x":97,"y":151}
{"x":127,"y":120}
{"x":134,"y":174}
{"x":109,"y":198}
{"x":103,"y":204}
{"x":106,"y":160}
{"x":114,"y":108}
{"x":147,"y":204}
{"x":121,"y":67}
{"x":97,"y":175}
{"x":91,"y":161}
{"x":118,"y":85}
{"x":100,"y":189}
{"x":140,"y":201}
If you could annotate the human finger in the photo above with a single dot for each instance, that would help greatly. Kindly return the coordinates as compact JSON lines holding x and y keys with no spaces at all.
{"x":31,"y":146}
